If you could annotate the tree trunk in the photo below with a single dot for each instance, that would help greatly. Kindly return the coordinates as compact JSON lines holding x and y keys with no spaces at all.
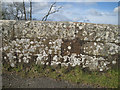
{"x":30,"y":10}
{"x":24,"y":10}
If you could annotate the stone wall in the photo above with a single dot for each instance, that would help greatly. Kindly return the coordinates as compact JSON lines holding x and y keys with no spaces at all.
{"x":0,"y":57}
{"x":92,"y":46}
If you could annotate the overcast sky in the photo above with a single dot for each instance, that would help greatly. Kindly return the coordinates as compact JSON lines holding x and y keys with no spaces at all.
{"x":93,"y":12}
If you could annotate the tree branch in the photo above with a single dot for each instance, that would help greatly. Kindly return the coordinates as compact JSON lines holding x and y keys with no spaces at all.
{"x":50,"y":11}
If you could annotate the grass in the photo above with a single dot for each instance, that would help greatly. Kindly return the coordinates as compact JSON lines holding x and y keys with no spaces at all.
{"x":107,"y":79}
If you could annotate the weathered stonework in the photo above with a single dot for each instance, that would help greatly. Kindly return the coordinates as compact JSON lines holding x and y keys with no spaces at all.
{"x":93,"y":46}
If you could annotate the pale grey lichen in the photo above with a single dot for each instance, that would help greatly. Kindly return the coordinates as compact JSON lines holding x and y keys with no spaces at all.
{"x":113,"y":62}
{"x":41,"y":40}
{"x":69,"y":47}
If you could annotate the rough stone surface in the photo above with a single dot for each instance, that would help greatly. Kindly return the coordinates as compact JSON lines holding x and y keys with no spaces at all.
{"x":0,"y":56}
{"x":93,"y":46}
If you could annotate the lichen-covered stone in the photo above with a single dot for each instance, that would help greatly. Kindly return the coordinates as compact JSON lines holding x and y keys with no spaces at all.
{"x":103,"y":49}
{"x":93,"y":46}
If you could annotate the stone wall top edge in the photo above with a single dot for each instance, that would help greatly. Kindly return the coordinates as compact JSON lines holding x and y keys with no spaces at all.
{"x":54,"y":22}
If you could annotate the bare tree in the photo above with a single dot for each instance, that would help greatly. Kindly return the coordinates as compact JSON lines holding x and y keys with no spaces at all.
{"x":17,"y":10}
{"x":30,"y":9}
{"x":24,"y":10}
{"x":0,"y":10}
{"x":13,"y":11}
{"x":21,"y":11}
{"x":5,"y":14}
{"x":50,"y":11}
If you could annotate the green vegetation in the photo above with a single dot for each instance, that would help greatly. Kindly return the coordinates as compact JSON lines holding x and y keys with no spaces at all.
{"x":108,"y":79}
